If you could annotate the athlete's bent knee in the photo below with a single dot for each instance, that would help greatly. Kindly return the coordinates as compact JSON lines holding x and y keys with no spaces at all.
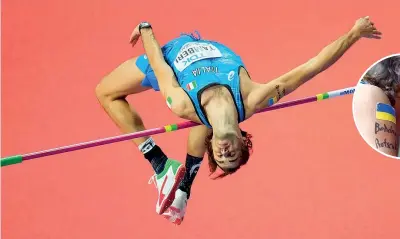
{"x":103,"y":94}
{"x":100,"y":92}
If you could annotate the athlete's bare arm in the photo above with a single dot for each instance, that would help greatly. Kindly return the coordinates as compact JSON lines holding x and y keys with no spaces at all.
{"x":261,"y":93}
{"x":167,"y":82}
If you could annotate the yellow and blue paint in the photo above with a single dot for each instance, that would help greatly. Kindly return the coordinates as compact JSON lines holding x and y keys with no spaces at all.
{"x":385,"y":112}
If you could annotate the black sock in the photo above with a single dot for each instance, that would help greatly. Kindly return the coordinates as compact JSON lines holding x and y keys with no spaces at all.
{"x":154,"y":154}
{"x":192,"y":167}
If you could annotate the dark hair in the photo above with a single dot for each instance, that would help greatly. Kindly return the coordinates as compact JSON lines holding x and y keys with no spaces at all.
{"x":386,"y":76}
{"x":247,"y":149}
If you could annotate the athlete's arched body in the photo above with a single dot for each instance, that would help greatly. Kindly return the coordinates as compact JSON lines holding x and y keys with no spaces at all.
{"x":206,"y":82}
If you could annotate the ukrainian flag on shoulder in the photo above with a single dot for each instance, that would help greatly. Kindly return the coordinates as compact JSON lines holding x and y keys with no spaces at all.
{"x":385,"y":112}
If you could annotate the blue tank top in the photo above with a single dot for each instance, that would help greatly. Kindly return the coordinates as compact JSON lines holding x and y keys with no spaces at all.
{"x":200,"y":64}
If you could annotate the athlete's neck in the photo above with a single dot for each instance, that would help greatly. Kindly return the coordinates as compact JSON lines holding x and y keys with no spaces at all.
{"x":223,"y":117}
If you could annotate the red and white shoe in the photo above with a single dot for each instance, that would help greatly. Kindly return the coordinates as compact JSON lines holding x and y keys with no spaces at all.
{"x":176,"y":212}
{"x":166,"y":183}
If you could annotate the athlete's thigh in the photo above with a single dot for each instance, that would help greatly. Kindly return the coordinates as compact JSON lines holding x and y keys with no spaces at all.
{"x":127,"y":78}
{"x":369,"y":104}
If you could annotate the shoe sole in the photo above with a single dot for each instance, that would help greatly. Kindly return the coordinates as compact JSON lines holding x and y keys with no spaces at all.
{"x":171,"y":196}
{"x":177,"y":221}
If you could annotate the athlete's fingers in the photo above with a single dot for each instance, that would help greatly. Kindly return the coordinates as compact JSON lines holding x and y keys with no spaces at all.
{"x":134,"y":38}
{"x":135,"y":35}
{"x":376,"y":32}
{"x":373,"y":37}
{"x":133,"y":42}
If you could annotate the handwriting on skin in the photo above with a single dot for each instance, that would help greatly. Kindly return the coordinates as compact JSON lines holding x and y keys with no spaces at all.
{"x":386,"y":144}
{"x":383,"y":128}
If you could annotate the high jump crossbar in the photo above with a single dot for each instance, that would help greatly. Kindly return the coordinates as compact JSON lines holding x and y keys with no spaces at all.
{"x":167,"y":128}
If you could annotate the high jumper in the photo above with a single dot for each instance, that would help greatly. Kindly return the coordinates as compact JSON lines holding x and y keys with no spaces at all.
{"x":205,"y":82}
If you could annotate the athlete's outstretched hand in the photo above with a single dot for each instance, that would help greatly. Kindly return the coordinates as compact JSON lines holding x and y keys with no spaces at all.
{"x":364,"y":27}
{"x":135,"y":36}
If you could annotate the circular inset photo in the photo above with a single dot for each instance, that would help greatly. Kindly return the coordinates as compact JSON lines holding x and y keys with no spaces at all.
{"x":376,"y":106}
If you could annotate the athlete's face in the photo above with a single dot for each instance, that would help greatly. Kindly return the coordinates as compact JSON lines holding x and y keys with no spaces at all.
{"x":227,"y":150}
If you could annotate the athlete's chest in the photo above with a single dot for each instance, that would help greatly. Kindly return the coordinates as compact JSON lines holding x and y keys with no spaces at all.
{"x":190,"y":112}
